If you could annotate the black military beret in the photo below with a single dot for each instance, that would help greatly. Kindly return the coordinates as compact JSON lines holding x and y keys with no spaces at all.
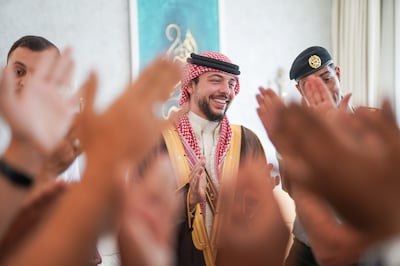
{"x":309,"y":61}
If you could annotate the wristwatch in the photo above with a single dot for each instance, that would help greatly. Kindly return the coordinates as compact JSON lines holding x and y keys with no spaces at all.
{"x":15,"y":176}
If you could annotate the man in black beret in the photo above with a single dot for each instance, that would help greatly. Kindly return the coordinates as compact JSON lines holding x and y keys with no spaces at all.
{"x":320,"y":238}
{"x":316,"y":61}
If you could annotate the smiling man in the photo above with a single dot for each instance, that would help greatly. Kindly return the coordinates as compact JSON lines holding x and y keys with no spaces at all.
{"x":316,"y":62}
{"x":204,"y":149}
{"x":32,"y":58}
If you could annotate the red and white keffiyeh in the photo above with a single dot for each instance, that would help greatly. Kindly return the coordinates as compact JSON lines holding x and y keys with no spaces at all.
{"x":191,"y":71}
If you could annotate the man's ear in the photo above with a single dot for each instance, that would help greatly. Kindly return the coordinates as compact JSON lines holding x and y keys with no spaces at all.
{"x":337,"y":71}
{"x":190,"y":87}
{"x":299,"y":89}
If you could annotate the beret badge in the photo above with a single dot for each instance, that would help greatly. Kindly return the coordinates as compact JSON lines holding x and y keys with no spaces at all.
{"x":314,"y":61}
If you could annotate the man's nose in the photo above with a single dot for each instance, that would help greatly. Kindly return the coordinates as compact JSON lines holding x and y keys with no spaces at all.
{"x":226,"y":88}
{"x":21,"y":82}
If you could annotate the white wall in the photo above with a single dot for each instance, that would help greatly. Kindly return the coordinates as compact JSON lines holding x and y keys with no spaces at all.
{"x":262,"y":36}
{"x":97,"y":30}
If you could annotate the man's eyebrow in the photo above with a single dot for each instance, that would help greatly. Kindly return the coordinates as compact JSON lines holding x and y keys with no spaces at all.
{"x":216,"y":74}
{"x":324,"y":73}
{"x":221,"y":76}
{"x":18,"y":63}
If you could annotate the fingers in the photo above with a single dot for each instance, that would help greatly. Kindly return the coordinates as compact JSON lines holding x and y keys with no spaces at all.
{"x":300,"y":130}
{"x":133,"y":111}
{"x":175,"y":116}
{"x":45,"y":127}
{"x":312,"y":92}
{"x":7,"y":89}
{"x":6,"y":81}
{"x":196,"y":175}
{"x":344,"y":103}
{"x":88,"y":90}
{"x":154,"y":195}
{"x":198,"y":183}
{"x":76,"y":101}
{"x":87,"y":116}
{"x":44,"y":66}
{"x":53,"y":72}
{"x":381,"y":128}
{"x":136,"y":105}
{"x":63,"y":70}
{"x":267,"y":99}
{"x":317,"y":93}
{"x":156,"y":82}
{"x":248,"y":207}
{"x":269,"y":105}
{"x":388,"y":111}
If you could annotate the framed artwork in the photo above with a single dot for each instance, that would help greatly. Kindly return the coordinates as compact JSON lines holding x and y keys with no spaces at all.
{"x":173,"y":27}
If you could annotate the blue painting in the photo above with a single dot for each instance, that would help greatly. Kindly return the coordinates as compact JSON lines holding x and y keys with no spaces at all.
{"x":178,"y":28}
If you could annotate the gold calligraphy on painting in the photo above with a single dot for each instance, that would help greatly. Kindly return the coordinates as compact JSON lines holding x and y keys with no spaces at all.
{"x":179,"y":50}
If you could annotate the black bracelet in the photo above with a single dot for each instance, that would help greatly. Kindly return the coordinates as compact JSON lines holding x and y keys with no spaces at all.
{"x":15,"y":176}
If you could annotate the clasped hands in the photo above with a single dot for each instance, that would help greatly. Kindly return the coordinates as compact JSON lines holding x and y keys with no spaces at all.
{"x":197,"y":183}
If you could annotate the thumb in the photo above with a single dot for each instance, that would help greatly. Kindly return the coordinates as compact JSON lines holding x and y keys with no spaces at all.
{"x":344,"y":103}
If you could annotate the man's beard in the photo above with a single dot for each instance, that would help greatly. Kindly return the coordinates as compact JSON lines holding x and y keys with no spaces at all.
{"x":205,"y":108}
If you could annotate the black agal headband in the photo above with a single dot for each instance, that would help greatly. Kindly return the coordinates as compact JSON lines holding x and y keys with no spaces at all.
{"x":213,"y":63}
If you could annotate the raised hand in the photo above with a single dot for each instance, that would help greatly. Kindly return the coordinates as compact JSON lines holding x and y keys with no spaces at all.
{"x":130,"y":122}
{"x":344,"y":104}
{"x":269,"y":108}
{"x":269,"y":105}
{"x":39,"y":113}
{"x":146,"y":235}
{"x":252,"y":228}
{"x":317,"y":96}
{"x":357,"y":156}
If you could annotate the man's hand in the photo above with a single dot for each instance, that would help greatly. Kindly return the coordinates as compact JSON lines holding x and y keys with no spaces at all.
{"x":252,"y":229}
{"x":130,"y":122}
{"x":269,"y":104}
{"x":198,"y":183}
{"x":39,"y":114}
{"x":318,"y":97}
{"x":149,"y":216}
{"x":365,"y":146}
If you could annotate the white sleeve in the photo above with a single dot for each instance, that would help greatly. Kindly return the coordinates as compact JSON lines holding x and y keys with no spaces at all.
{"x":72,"y":173}
{"x":386,"y":253}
